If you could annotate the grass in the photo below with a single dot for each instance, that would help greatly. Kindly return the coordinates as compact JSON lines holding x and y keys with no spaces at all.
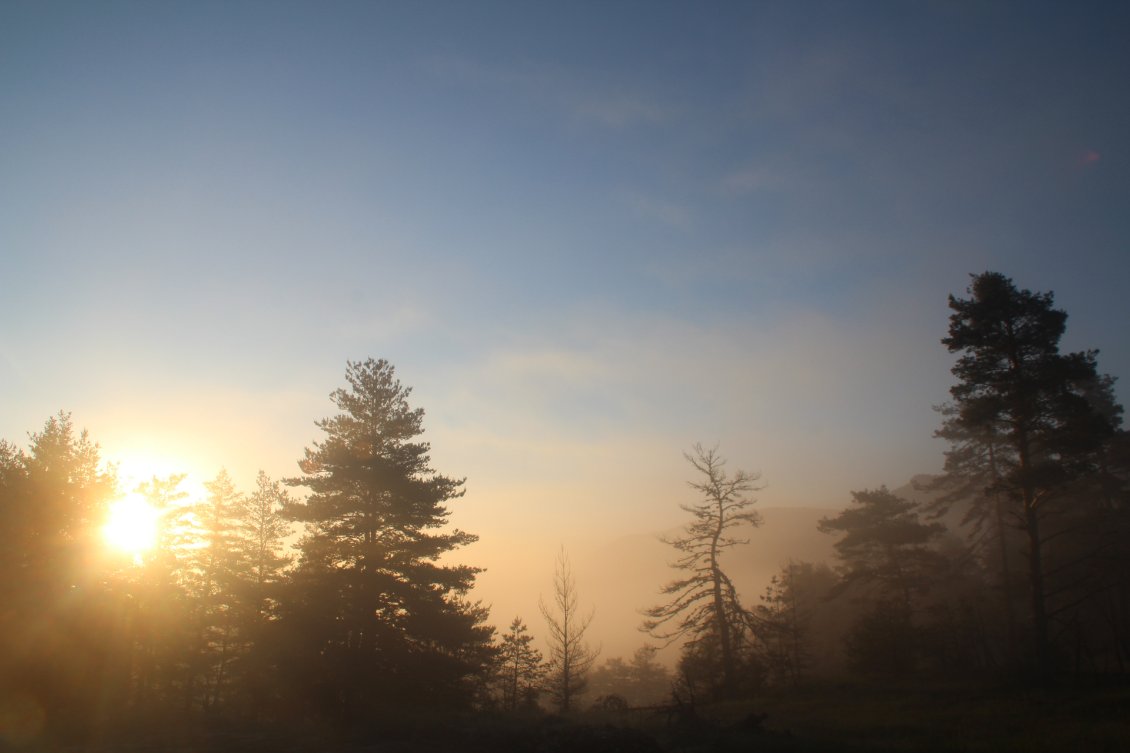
{"x":953,"y":717}
{"x":829,"y":718}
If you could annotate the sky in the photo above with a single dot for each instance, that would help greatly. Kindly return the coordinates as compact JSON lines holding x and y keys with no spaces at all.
{"x":588,"y":235}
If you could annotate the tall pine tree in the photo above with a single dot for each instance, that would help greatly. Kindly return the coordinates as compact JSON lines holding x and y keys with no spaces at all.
{"x":1035,"y":406}
{"x":379,"y":619}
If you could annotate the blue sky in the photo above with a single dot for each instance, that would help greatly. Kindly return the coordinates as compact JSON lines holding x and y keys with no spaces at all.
{"x":588,"y":234}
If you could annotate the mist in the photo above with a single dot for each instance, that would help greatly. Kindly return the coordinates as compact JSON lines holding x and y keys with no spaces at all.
{"x":488,"y":377}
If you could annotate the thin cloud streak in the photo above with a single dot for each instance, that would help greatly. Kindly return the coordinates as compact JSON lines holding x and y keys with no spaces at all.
{"x":579,"y":99}
{"x":667,"y":213}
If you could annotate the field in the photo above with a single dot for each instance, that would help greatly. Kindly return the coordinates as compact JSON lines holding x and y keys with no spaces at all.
{"x":819,"y":719}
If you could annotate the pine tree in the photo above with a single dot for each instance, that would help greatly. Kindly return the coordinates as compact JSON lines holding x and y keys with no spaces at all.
{"x":260,"y":533}
{"x":705,"y":606}
{"x":1036,"y":405}
{"x":163,"y":632}
{"x":262,"y":529}
{"x":379,"y":618}
{"x":55,"y":642}
{"x":783,"y":620}
{"x":213,"y":566}
{"x":886,"y":553}
{"x":974,"y":463}
{"x":522,"y":668}
{"x":886,"y":545}
{"x":55,"y":497}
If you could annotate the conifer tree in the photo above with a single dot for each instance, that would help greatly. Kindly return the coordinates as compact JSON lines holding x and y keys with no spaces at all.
{"x":1036,"y":405}
{"x":163,"y":634}
{"x":262,"y":529}
{"x":705,"y":607}
{"x":214,"y":566}
{"x":522,"y":668}
{"x":886,"y":549}
{"x":53,"y":643}
{"x":783,"y":621}
{"x":885,"y":544}
{"x":379,"y":618}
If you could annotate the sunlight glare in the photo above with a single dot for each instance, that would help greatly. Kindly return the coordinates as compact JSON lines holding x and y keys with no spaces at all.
{"x":132,"y":525}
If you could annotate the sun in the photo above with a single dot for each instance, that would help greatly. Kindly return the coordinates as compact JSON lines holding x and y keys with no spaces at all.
{"x":131,"y":526}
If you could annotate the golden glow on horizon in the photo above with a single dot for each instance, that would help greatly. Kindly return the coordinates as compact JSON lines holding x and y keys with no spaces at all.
{"x":132,"y":526}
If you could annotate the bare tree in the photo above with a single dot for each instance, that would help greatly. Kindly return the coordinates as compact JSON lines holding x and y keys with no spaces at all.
{"x":570,"y":656}
{"x":704,"y":606}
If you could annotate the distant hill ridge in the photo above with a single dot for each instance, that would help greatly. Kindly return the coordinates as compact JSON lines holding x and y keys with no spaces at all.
{"x":621,"y":576}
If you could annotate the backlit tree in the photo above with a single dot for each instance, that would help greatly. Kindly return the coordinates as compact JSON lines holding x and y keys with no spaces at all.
{"x":1036,"y":406}
{"x":521,"y":668}
{"x":570,"y":655}
{"x":704,"y":606}
{"x":376,"y":616}
{"x":58,"y":642}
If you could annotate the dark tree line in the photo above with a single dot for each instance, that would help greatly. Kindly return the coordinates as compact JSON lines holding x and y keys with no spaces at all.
{"x":216,"y":618}
{"x":1016,"y":559}
{"x":1031,"y":575}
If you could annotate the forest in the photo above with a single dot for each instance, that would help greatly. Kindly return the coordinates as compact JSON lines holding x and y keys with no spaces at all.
{"x":985,"y":608}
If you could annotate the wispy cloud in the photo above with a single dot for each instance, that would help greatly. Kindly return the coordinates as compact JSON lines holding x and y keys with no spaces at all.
{"x":780,"y":395}
{"x":754,"y":178}
{"x":580,"y":99}
{"x":652,"y":208}
{"x":375,"y":323}
{"x":618,"y":111}
{"x":546,"y":364}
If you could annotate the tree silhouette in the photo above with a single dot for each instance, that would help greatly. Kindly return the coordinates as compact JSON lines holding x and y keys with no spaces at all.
{"x":163,"y":627}
{"x":378,"y":619}
{"x":974,"y":463}
{"x":887,"y":547}
{"x":705,"y":604}
{"x":262,"y":529}
{"x":784,"y":614}
{"x":215,"y":566}
{"x":639,"y":681}
{"x":521,"y":670}
{"x":885,"y":544}
{"x":1034,"y":403}
{"x":55,"y":496}
{"x":58,"y":645}
{"x":570,"y":656}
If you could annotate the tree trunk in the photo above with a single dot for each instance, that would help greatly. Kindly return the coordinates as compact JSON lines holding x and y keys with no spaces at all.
{"x":1002,"y":543}
{"x":729,"y":688}
{"x":1036,"y":579}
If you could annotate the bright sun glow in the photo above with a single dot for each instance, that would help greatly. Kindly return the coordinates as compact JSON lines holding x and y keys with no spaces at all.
{"x":132,"y":525}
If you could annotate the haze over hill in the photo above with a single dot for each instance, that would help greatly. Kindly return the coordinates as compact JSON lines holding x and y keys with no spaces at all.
{"x":621,"y":576}
{"x":376,"y":312}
